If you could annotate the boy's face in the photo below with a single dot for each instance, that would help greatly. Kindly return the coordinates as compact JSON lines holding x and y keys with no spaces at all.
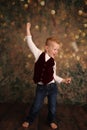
{"x":52,"y":49}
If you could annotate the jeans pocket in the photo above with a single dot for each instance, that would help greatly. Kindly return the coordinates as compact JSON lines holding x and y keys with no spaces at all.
{"x":54,"y":87}
{"x":40,"y":87}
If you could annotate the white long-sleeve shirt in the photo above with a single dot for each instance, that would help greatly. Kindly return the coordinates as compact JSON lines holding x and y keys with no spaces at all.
{"x":37,"y":52}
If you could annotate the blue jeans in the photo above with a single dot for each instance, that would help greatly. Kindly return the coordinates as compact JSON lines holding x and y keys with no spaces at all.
{"x":42,"y":91}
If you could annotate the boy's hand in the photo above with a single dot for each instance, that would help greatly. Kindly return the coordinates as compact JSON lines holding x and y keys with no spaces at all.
{"x":67,"y":80}
{"x":28,"y":26}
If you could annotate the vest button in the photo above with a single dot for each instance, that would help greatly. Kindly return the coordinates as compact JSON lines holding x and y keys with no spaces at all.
{"x":41,"y":79}
{"x":43,"y":69}
{"x":42,"y":75}
{"x":44,"y":65}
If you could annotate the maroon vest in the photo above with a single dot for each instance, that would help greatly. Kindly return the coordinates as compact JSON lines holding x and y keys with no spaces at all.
{"x":43,"y":71}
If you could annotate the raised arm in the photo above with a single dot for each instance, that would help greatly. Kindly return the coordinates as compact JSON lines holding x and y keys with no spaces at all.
{"x":28,"y":27}
{"x":36,"y":52}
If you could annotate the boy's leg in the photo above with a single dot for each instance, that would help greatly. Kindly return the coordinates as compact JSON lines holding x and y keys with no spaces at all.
{"x":39,"y":98}
{"x":52,"y":98}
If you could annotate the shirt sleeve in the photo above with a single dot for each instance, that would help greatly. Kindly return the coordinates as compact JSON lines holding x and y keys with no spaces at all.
{"x":56,"y":77}
{"x":36,"y":51}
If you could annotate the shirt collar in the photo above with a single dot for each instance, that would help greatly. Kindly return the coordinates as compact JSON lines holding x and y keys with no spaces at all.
{"x":47,"y":57}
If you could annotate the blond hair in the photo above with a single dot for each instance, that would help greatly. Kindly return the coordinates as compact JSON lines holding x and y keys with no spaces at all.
{"x":51,"y":39}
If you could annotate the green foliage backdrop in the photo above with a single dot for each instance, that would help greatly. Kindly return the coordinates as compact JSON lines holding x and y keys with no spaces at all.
{"x":67,"y":20}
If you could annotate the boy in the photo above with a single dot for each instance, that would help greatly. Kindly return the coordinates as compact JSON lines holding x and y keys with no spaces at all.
{"x":45,"y":77}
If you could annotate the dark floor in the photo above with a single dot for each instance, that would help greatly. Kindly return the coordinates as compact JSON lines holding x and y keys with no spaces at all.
{"x":70,"y":117}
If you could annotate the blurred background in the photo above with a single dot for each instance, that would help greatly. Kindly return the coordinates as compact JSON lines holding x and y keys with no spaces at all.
{"x":65,"y":19}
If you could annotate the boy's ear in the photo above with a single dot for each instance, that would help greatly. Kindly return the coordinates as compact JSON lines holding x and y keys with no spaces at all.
{"x":46,"y":47}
